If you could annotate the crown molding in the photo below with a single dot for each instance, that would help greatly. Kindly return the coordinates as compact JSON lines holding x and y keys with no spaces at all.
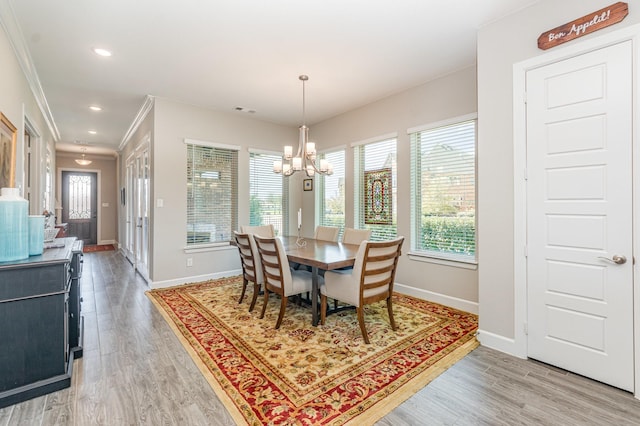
{"x":14,"y":34}
{"x":142,"y":114}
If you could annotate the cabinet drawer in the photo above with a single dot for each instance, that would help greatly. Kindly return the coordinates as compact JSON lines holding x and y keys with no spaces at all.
{"x":33,"y":336}
{"x":20,"y":283}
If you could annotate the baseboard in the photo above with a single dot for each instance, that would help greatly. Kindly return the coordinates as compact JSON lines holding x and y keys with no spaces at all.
{"x":500,"y":343}
{"x":193,"y":279}
{"x":443,"y":299}
{"x":103,"y":242}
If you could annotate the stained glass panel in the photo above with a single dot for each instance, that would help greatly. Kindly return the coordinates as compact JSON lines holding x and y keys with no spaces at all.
{"x":79,"y":197}
{"x":377,"y":200}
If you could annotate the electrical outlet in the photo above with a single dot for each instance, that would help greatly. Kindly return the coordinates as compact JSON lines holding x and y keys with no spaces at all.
{"x":190,"y":261}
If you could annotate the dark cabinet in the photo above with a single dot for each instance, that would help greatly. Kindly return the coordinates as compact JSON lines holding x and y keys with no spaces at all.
{"x":35,"y":318}
{"x":76,"y":321}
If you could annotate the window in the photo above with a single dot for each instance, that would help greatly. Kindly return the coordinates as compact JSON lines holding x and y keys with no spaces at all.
{"x":330,"y":192}
{"x":268,"y":192}
{"x":375,"y":188}
{"x":79,"y":192}
{"x":443,"y":188}
{"x":212,"y":192}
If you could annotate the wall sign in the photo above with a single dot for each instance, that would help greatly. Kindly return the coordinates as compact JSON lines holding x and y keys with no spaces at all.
{"x":582,"y":26}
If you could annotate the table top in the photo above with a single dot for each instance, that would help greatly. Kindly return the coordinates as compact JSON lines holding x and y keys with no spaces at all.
{"x":325,"y":255}
{"x":60,"y":254}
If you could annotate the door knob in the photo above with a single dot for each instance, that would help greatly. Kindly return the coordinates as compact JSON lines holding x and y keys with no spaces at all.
{"x":618,"y":259}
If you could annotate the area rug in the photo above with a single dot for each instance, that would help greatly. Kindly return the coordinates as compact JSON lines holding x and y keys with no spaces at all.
{"x":97,"y":247}
{"x":300,"y":374}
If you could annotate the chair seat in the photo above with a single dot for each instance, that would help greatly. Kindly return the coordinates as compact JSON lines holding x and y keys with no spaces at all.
{"x":301,"y":282}
{"x":339,"y":285}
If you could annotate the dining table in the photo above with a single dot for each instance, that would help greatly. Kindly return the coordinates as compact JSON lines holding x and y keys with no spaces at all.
{"x":319,"y":255}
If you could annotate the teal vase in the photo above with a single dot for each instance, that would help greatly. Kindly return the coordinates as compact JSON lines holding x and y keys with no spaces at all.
{"x":36,"y":235}
{"x":14,"y":228}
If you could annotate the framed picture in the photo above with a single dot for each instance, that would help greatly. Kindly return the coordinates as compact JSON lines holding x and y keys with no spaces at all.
{"x":8,"y":134}
{"x":307,"y":184}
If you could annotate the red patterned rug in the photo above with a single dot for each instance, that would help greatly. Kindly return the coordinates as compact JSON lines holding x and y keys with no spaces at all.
{"x":301,"y":374}
{"x":95,"y":247}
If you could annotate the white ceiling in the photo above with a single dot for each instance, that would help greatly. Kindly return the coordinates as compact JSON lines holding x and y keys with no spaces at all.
{"x":249,"y":53}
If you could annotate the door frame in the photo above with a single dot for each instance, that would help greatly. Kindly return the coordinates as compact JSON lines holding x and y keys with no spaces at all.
{"x":518,"y":346}
{"x":36,"y":169}
{"x":144,"y":145}
{"x":98,"y":172}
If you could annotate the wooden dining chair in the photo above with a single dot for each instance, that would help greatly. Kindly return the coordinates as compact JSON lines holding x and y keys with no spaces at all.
{"x":251,"y":266}
{"x":370,"y":281}
{"x":327,"y":233}
{"x":355,"y":236}
{"x":262,"y":230}
{"x":352,"y":236}
{"x":279,"y":278}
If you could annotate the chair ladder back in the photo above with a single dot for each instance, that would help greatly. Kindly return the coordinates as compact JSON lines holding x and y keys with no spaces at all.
{"x":272,"y":270}
{"x":246,"y":257}
{"x":388,"y":272}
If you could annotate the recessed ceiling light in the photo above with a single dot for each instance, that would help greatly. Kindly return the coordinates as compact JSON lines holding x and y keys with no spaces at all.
{"x":95,"y":108}
{"x":102,"y":52}
{"x":93,"y":132}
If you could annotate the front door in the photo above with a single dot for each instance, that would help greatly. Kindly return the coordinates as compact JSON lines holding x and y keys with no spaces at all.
{"x":80,"y":205}
{"x":579,"y":215}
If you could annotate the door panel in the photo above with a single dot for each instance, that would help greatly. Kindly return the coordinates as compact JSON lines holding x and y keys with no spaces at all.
{"x":80,"y":205}
{"x":579,"y":214}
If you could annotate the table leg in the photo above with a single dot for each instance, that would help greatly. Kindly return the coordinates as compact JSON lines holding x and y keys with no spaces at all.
{"x":314,"y":295}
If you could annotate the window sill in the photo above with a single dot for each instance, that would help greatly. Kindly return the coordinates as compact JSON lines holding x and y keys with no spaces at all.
{"x":456,"y":263}
{"x":201,"y":248}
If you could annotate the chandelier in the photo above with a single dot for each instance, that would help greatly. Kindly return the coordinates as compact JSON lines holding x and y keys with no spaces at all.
{"x":305,"y":159}
{"x":83,"y":161}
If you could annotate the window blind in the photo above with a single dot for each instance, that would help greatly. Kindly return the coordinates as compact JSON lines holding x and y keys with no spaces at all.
{"x":268,"y":192}
{"x":212,"y":194}
{"x":375,"y":156}
{"x":443,"y":183}
{"x":330,"y":192}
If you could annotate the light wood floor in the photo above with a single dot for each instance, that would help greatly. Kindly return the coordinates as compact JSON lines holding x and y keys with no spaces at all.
{"x":134,"y":371}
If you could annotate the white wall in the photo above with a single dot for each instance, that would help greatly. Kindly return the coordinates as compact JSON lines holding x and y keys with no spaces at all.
{"x":173,"y":122}
{"x":500,"y":46}
{"x":451,"y":96}
{"x":16,"y":102}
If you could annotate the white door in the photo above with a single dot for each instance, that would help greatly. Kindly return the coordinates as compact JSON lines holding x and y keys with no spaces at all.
{"x":142,"y":213}
{"x":130,"y":210}
{"x":137,"y":210}
{"x":579,"y":215}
